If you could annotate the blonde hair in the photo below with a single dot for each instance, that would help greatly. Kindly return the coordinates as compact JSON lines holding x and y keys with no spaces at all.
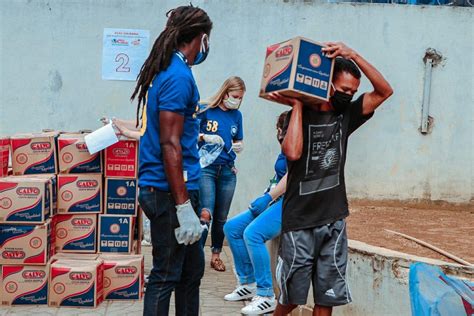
{"x":233,"y":83}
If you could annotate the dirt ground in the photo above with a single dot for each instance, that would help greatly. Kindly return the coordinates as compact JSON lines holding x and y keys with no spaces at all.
{"x":449,"y":227}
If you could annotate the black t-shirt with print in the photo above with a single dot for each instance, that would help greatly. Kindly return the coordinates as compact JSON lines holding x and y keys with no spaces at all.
{"x":316,"y":191}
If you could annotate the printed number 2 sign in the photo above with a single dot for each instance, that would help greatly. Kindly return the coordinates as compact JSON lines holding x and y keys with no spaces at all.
{"x":124,"y":52}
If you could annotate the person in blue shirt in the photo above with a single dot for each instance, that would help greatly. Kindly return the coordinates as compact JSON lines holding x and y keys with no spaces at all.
{"x":221,"y":124}
{"x":247,"y":234}
{"x":169,"y":168}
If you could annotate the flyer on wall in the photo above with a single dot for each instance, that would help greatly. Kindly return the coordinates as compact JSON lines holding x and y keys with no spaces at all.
{"x":124,"y":52}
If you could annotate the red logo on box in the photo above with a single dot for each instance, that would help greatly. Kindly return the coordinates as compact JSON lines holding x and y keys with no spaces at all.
{"x":107,"y":282}
{"x":13,"y":254}
{"x":115,"y":228}
{"x":80,"y":275}
{"x":34,"y":274}
{"x":121,"y":191}
{"x":315,"y":60}
{"x":81,"y":146}
{"x":87,"y":184}
{"x":126,"y":270}
{"x":40,"y":146}
{"x":22,"y":159}
{"x":28,"y":191}
{"x":67,"y":195}
{"x":59,"y":288}
{"x":67,"y":157}
{"x":5,"y":203}
{"x":82,"y":222}
{"x":11,"y":287}
{"x":284,"y":51}
{"x":36,"y":242}
{"x":61,"y":233}
{"x":121,"y":152}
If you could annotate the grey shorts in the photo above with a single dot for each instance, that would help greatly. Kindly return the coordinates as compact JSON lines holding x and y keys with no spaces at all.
{"x":317,"y":255}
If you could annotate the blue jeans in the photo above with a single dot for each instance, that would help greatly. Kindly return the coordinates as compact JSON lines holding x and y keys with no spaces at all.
{"x":216,"y":190}
{"x":175,"y":266}
{"x":247,"y":236}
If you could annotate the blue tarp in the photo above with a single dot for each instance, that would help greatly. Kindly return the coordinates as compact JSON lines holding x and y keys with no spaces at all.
{"x":433,"y":293}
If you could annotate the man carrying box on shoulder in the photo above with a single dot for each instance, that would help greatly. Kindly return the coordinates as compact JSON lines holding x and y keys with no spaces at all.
{"x":314,"y":242}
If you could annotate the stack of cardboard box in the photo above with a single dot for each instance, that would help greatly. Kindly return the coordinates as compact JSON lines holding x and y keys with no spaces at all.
{"x":27,"y":205}
{"x":56,"y":245}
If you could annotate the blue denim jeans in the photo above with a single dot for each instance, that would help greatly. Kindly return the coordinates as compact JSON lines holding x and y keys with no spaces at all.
{"x":247,"y":235}
{"x":175,"y":266}
{"x":216,"y":190}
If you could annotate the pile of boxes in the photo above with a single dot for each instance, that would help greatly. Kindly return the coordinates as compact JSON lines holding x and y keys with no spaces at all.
{"x":70,"y":226}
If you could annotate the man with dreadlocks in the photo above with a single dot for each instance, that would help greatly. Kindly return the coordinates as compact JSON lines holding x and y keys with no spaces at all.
{"x":169,"y":167}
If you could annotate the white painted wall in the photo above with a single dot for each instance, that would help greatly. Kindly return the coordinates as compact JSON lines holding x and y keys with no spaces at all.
{"x":51,"y":77}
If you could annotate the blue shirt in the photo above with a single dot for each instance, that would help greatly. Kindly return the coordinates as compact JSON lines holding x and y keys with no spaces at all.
{"x":280,"y":166}
{"x":174,"y":90}
{"x":226,"y":124}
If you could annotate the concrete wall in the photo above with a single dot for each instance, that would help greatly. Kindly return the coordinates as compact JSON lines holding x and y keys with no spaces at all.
{"x":51,"y":77}
{"x":378,"y":280}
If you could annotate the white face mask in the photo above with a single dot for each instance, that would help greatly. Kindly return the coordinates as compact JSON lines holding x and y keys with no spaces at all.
{"x":232,"y":103}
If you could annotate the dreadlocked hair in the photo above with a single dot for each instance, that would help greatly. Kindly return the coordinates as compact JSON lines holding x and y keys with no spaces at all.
{"x":183,"y":25}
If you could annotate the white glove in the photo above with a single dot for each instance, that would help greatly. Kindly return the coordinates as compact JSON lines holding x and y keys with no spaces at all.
{"x":213,"y":139}
{"x":190,"y":229}
{"x":238,"y":147}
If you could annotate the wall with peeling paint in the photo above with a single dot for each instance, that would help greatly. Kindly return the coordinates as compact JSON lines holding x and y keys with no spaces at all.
{"x":51,"y":77}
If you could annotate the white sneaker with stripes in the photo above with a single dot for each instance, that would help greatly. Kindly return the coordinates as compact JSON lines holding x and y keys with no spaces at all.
{"x":242,"y":292}
{"x":260,"y":305}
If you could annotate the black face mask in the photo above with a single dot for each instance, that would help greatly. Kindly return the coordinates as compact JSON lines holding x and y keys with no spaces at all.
{"x":340,"y":101}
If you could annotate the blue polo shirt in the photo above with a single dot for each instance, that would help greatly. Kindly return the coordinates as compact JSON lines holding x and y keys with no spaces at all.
{"x":280,"y":166}
{"x":226,"y":124}
{"x":174,"y":90}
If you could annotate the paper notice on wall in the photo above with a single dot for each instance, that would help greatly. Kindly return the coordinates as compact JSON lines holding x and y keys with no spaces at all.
{"x":101,"y":138}
{"x":124,"y":52}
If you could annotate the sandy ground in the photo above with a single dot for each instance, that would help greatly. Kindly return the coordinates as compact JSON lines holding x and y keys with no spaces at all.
{"x":448,"y":227}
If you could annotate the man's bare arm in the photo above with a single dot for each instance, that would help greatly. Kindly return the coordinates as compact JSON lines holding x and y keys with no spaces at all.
{"x":171,"y":129}
{"x":382,"y":89}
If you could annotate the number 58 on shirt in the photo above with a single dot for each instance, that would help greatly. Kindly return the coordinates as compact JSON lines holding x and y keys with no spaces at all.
{"x":212,"y":126}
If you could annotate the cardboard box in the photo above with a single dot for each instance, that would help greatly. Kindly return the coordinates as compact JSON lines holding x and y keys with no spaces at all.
{"x":52,"y":178}
{"x":76,"y":283}
{"x":74,"y":156}
{"x":24,"y":285}
{"x":76,"y":233}
{"x":74,"y":256}
{"x":121,"y":159}
{"x":116,"y":233}
{"x":26,"y":244}
{"x":297,"y":68}
{"x":79,"y":193}
{"x":121,"y":196}
{"x":123,"y":277}
{"x":34,"y":153}
{"x":4,"y":155}
{"x":25,"y":200}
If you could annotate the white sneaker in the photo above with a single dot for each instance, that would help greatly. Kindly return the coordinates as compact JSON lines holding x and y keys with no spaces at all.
{"x":242,"y":292}
{"x":260,"y":305}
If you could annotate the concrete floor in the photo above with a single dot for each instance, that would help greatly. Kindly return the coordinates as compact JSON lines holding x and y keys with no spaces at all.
{"x":213,"y":288}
